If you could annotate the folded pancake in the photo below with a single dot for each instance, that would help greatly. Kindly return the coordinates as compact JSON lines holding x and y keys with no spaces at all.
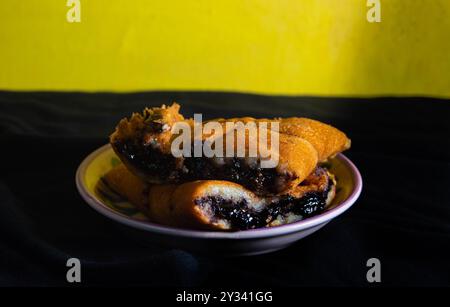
{"x":222,"y":205}
{"x":121,"y":181}
{"x":144,"y":141}
{"x":326,"y":140}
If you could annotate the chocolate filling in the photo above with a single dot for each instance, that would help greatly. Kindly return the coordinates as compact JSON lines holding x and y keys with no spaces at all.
{"x":152,"y":162}
{"x":148,"y":160}
{"x":241,"y":217}
{"x":257,"y":179}
{"x":236,"y":213}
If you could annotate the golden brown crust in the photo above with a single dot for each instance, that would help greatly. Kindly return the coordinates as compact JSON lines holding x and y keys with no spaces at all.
{"x":173,"y":205}
{"x":126,"y":184}
{"x":298,"y":158}
{"x":159,"y":120}
{"x":318,"y":180}
{"x":159,"y":206}
{"x":188,"y":213}
{"x":151,"y":129}
{"x":326,"y":139}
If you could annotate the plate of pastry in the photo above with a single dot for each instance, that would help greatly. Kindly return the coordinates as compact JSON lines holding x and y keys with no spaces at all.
{"x":228,"y":205}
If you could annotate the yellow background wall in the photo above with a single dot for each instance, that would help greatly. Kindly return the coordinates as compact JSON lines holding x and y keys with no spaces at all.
{"x":306,"y":47}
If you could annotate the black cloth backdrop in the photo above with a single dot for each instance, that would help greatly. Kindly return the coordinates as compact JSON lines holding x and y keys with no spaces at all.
{"x":401,"y":146}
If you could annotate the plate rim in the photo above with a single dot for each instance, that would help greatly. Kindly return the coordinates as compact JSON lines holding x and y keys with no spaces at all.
{"x":294,"y":227}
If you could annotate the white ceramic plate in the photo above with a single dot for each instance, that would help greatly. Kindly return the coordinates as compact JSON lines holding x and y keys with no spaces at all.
{"x":248,"y":242}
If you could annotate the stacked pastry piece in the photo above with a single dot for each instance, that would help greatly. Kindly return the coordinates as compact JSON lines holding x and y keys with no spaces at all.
{"x":233,"y":193}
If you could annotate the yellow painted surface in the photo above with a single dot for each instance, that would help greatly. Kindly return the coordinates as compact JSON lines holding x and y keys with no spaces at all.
{"x":294,"y":47}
